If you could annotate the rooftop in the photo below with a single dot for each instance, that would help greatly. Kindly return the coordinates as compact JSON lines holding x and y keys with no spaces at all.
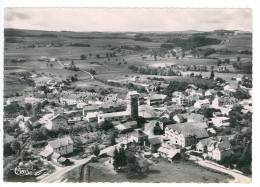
{"x":189,"y":129}
{"x":61,"y":142}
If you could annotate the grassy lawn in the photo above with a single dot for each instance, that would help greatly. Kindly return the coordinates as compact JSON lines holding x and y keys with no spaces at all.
{"x":177,"y":172}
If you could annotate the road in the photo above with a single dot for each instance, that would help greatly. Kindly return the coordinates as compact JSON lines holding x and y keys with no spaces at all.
{"x":60,"y":172}
{"x":91,"y":76}
{"x":21,"y":67}
{"x":238,"y":177}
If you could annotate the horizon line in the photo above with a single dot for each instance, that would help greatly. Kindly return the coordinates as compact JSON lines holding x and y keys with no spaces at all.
{"x":129,"y":31}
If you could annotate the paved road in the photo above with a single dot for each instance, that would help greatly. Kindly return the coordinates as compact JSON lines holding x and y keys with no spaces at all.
{"x":61,"y":171}
{"x":238,"y":177}
{"x":57,"y":175}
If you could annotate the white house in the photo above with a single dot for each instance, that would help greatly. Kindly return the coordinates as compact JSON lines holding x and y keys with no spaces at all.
{"x":220,"y":121}
{"x":202,"y":104}
{"x":61,"y":146}
{"x":52,"y":121}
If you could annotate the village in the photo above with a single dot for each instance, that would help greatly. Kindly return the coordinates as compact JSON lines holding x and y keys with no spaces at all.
{"x":159,"y":116}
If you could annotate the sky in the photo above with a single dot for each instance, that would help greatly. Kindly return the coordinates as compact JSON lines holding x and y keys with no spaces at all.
{"x":127,"y":19}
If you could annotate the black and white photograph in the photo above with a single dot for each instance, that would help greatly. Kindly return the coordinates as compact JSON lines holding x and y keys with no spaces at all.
{"x":137,"y":95}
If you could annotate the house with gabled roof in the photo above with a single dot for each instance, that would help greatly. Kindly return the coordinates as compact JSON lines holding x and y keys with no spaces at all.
{"x":54,"y":122}
{"x":185,"y":134}
{"x":60,"y":146}
{"x":217,"y":148}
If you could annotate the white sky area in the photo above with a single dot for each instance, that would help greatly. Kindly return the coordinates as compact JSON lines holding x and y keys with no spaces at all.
{"x":127,"y":19}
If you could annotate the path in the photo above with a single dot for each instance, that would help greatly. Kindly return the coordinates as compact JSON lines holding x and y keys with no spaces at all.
{"x":238,"y":177}
{"x":91,"y":76}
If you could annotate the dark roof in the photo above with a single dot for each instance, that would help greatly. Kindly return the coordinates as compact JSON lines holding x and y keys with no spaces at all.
{"x":189,"y":129}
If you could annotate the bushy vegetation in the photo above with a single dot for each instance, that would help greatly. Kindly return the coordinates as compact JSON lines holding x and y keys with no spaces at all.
{"x":193,"y":42}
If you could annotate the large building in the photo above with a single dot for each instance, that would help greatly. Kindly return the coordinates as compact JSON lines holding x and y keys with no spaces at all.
{"x":131,"y":111}
{"x":185,"y":134}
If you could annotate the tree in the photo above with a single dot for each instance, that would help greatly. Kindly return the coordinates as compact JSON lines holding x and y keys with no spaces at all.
{"x":16,"y":147}
{"x":218,"y":79}
{"x":96,"y":150}
{"x":157,"y":129}
{"x":132,"y":166}
{"x":113,"y":137}
{"x":106,"y":125}
{"x":116,"y":163}
{"x":119,"y":158}
{"x":8,"y":150}
{"x":83,"y":57}
{"x":28,"y":107}
{"x":92,"y":71}
{"x":212,"y":74}
{"x":38,"y":135}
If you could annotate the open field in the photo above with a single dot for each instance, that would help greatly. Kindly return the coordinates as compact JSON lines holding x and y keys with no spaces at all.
{"x":101,"y":44}
{"x":178,"y":172}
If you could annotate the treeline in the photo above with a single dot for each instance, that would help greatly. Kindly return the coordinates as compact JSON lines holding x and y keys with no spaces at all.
{"x":154,"y":71}
{"x":80,"y":45}
{"x":193,"y":42}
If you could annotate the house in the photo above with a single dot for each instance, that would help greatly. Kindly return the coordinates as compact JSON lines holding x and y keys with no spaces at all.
{"x":179,"y":118}
{"x":126,"y":127}
{"x":115,"y":116}
{"x":185,"y":134}
{"x":45,"y":154}
{"x":223,"y":101}
{"x":61,"y":146}
{"x":90,"y":108}
{"x":54,"y":122}
{"x":229,"y":89}
{"x":220,"y":121}
{"x":91,"y":117}
{"x":153,"y":143}
{"x":202,"y":104}
{"x":156,"y":99}
{"x":194,"y":117}
{"x":139,"y":137}
{"x":218,"y":148}
{"x":210,"y":93}
{"x":181,"y":100}
{"x":170,"y":152}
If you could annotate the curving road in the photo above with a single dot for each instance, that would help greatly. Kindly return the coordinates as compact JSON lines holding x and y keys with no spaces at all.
{"x":238,"y":177}
{"x":60,"y":172}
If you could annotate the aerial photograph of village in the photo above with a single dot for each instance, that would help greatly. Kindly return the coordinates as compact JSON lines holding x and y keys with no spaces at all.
{"x":127,"y":95}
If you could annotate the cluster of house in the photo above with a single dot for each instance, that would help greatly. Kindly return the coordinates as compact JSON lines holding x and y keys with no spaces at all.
{"x":56,"y":149}
{"x":181,"y":124}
